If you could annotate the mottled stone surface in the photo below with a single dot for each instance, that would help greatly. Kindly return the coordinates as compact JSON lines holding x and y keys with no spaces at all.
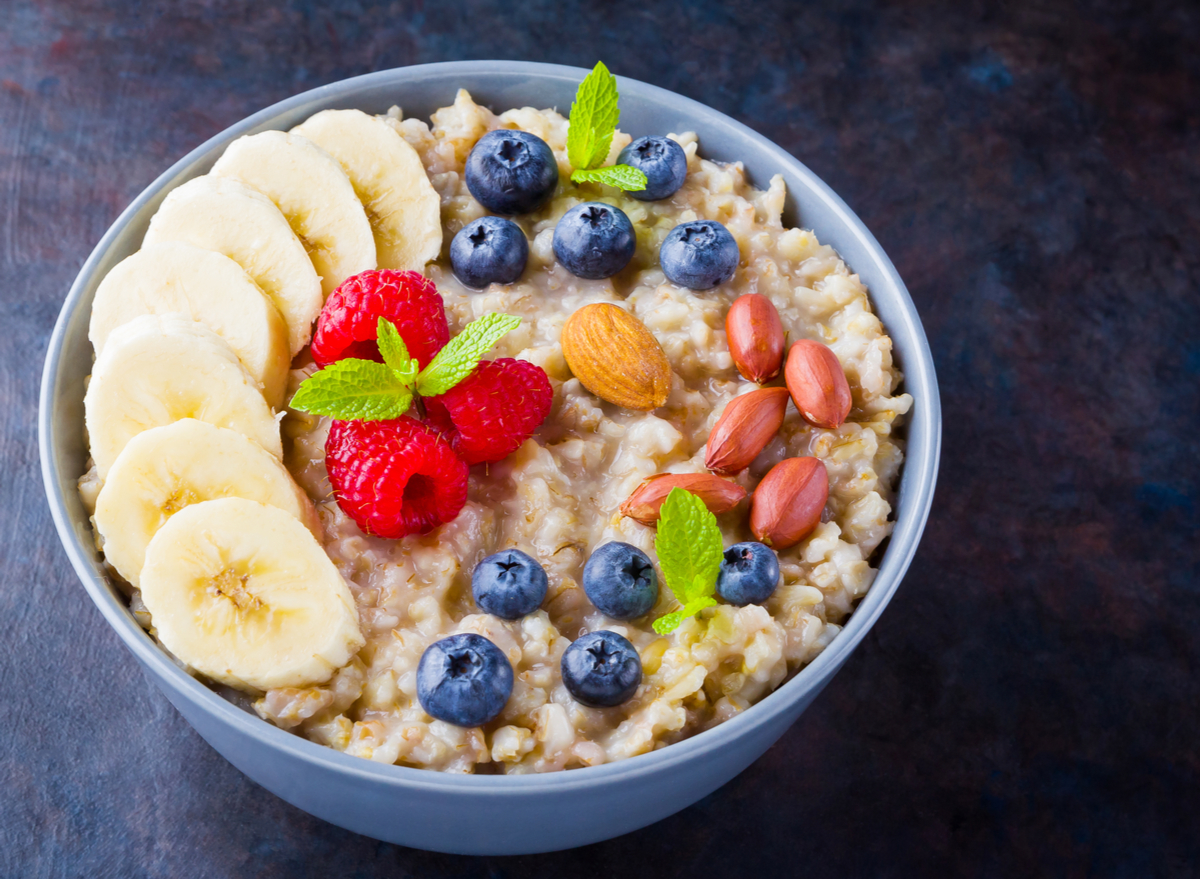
{"x":1029,"y":702}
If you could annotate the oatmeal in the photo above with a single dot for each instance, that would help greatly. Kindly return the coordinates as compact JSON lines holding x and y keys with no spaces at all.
{"x":558,"y":495}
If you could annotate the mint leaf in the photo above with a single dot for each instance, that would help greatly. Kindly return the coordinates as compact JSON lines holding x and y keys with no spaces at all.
{"x":395,"y":352}
{"x":462,"y":353}
{"x":668,"y":623}
{"x":621,"y":176}
{"x":354,"y":389}
{"x":689,"y":548}
{"x":594,"y":117}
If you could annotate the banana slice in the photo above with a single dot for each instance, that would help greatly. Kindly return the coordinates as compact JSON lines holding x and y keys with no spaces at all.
{"x":231,"y":218}
{"x":157,"y":369}
{"x":315,"y":195}
{"x":164,"y":469}
{"x":173,"y":277}
{"x":244,"y":594}
{"x":404,"y":209}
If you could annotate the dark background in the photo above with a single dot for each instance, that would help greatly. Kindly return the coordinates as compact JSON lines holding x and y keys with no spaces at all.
{"x":1029,"y":702}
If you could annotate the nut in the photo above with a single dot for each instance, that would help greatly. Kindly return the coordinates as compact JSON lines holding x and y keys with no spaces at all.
{"x":615,"y":357}
{"x":818,"y":384}
{"x":745,"y":427}
{"x":787,"y":504}
{"x":719,"y":495}
{"x":755,"y":335}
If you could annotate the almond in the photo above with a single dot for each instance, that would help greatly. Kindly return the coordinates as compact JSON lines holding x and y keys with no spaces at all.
{"x":719,"y":495}
{"x":745,"y":427}
{"x":787,"y":504}
{"x":755,"y":335}
{"x":818,"y":384}
{"x":615,"y":357}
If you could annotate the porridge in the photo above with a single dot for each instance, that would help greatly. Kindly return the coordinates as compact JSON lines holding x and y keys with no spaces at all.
{"x":568,"y":487}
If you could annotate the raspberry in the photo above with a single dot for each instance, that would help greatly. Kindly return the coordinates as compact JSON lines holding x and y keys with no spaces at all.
{"x":492,"y":411}
{"x":350,"y":318}
{"x":394,"y":477}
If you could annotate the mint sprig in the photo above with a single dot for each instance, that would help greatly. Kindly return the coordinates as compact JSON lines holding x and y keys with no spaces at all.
{"x":689,"y":549}
{"x":462,"y":353}
{"x":364,"y":390}
{"x":594,"y":116}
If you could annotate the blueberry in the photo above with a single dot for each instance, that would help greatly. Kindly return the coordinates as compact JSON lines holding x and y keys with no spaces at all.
{"x":699,"y":254}
{"x":511,"y":172}
{"x":464,"y":680}
{"x":490,"y":250}
{"x":509,"y":584}
{"x":749,"y":574}
{"x":620,"y":580}
{"x":662,"y":161}
{"x":594,"y":240}
{"x":601,"y":669}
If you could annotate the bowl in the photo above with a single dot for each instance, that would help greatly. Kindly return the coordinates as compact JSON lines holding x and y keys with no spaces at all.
{"x":493,"y":814}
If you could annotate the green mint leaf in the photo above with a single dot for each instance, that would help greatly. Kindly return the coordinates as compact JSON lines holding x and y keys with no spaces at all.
{"x":621,"y":176}
{"x":462,"y":353}
{"x":354,"y":389}
{"x":395,"y":352}
{"x":668,"y":623}
{"x":594,"y":117}
{"x":689,"y":548}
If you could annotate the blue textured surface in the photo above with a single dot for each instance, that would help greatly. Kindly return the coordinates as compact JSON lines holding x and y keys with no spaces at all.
{"x":1028,"y":704}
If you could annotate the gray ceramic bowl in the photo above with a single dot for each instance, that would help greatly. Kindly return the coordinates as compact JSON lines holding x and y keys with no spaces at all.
{"x":493,"y":814}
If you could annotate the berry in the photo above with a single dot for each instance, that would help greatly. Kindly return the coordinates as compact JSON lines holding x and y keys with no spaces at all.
{"x":620,"y":580}
{"x":492,"y":411}
{"x":394,"y":477}
{"x":509,"y":584}
{"x":464,"y":679}
{"x":662,"y":160}
{"x":749,"y":574}
{"x":511,"y":172}
{"x":490,"y":250}
{"x":350,"y":318}
{"x":699,"y":255}
{"x":601,"y":669}
{"x":594,"y":240}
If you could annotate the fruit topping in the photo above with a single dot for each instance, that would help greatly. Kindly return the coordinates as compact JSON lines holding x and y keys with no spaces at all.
{"x":601,"y":669}
{"x":244,"y":594}
{"x":511,"y":172}
{"x":719,"y":495}
{"x":487,"y":415}
{"x":615,"y":357}
{"x":223,"y":215}
{"x":401,"y":204}
{"x":395,"y":477}
{"x":818,"y":384}
{"x":164,"y":469}
{"x":464,"y":679}
{"x":620,"y":580}
{"x":749,"y":422}
{"x":349,"y":321}
{"x":157,"y":369}
{"x":490,"y":250}
{"x":749,"y":574}
{"x":594,"y":240}
{"x":756,"y":338}
{"x":209,"y":287}
{"x":787,"y":504}
{"x":699,"y":255}
{"x":313,"y":192}
{"x":662,"y":160}
{"x":689,"y":546}
{"x":509,"y":584}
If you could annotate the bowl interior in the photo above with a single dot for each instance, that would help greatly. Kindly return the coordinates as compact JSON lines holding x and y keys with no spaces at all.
{"x":419,"y":91}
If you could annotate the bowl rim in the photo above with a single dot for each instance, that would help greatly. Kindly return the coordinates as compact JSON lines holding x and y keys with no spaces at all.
{"x":918,"y":476}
